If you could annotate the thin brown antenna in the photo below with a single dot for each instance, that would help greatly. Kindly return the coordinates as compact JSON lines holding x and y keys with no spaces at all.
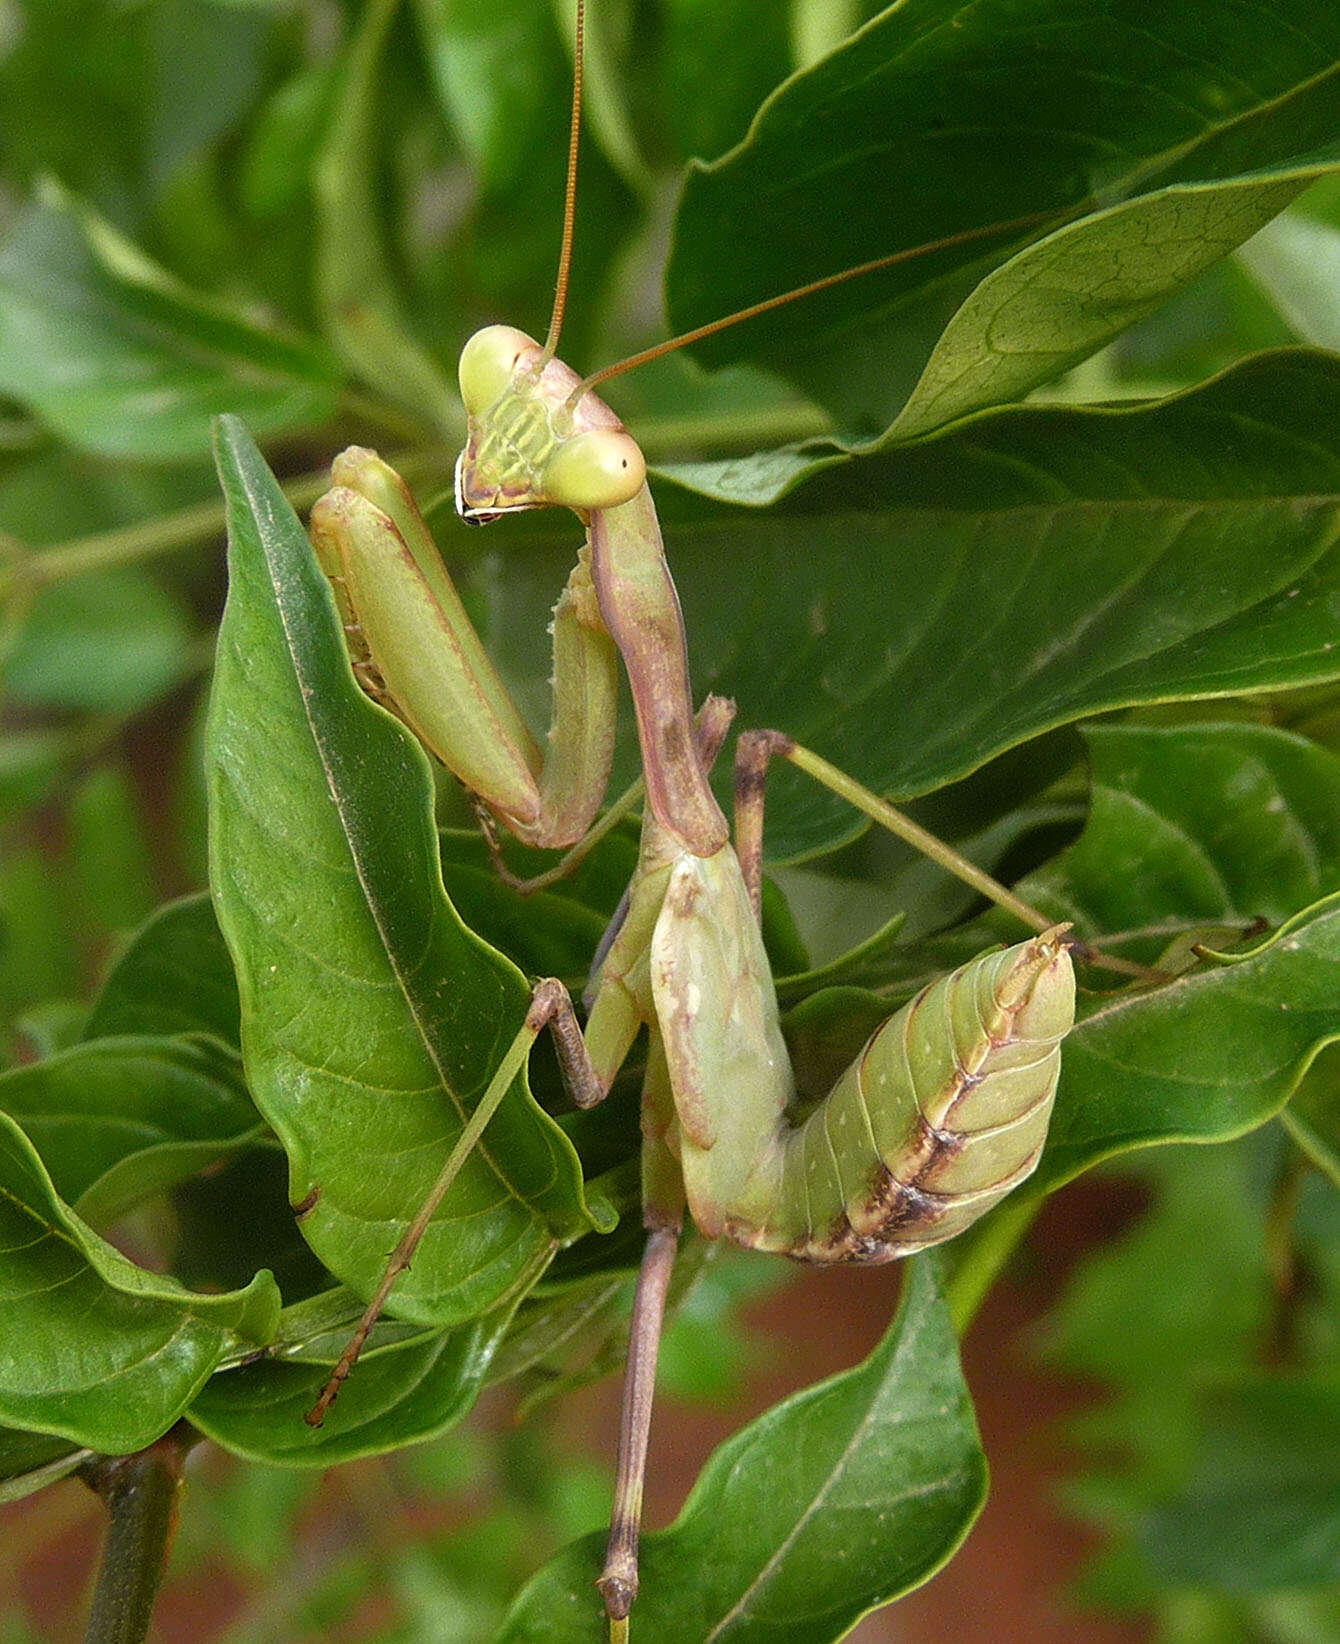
{"x":657,"y":350}
{"x":569,"y":197}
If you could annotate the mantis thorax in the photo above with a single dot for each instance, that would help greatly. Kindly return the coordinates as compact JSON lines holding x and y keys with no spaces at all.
{"x":532,"y":441}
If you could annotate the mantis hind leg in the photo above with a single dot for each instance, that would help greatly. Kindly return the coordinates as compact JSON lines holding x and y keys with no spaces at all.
{"x":757,"y":749}
{"x":618,"y":1580}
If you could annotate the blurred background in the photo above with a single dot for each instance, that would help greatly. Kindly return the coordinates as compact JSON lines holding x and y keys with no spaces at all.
{"x":188,"y":191}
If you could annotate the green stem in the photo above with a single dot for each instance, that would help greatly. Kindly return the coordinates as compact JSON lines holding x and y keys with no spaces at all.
{"x":982,"y":1254}
{"x":140,"y":1492}
{"x":105,"y":550}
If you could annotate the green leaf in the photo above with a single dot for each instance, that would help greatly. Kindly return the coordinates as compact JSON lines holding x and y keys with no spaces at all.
{"x":96,"y":1349}
{"x":72,"y":96}
{"x":544,"y":934}
{"x":1194,"y":827}
{"x":207,"y":69}
{"x":1296,"y":261}
{"x":117,"y":356}
{"x":215,"y":1248}
{"x":174,"y":976}
{"x":1160,"y":1348}
{"x":54,"y":495}
{"x":707,"y":110}
{"x":1206,"y":1057}
{"x":1198,"y":825}
{"x":400,"y":1394}
{"x":1127,"y":157}
{"x":1031,"y":567}
{"x":502,"y":80}
{"x":372,"y":1019}
{"x":110,"y":643}
{"x":1312,"y":1118}
{"x":1015,"y":332}
{"x":51,"y":1026}
{"x":1203,"y":1236}
{"x":282,"y":143}
{"x":1262,"y":1508}
{"x":31,"y":1461}
{"x":1194,"y":830}
{"x":118,"y":1120}
{"x":613,"y":36}
{"x":837,"y":1500}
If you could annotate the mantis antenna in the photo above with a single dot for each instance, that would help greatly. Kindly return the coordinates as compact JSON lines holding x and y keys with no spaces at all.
{"x":569,"y":197}
{"x":754,"y":310}
{"x":825,"y":283}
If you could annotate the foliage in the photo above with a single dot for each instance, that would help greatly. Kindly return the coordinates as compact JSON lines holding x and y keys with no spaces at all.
{"x":987,"y":528}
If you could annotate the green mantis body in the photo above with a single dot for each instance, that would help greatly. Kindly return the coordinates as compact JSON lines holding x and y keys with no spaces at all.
{"x":946,"y":1107}
{"x":944,"y":1110}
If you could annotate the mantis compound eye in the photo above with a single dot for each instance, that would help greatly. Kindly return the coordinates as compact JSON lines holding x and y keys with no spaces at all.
{"x":489,"y":363}
{"x":598,"y":469}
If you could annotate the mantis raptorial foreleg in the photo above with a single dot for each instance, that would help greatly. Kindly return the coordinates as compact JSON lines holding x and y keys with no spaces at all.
{"x":413,"y":644}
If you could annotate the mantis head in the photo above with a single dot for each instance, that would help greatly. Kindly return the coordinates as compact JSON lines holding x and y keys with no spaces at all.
{"x":532,"y":441}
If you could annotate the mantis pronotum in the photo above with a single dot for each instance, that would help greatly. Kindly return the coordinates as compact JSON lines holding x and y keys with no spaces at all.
{"x":945,"y":1109}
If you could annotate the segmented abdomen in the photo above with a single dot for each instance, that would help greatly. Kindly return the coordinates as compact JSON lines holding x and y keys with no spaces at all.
{"x":943,"y":1112}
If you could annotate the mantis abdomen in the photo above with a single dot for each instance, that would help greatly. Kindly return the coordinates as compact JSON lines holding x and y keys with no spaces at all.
{"x":943,"y":1112}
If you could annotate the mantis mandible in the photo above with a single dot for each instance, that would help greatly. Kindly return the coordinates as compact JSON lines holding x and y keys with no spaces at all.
{"x":946,"y":1108}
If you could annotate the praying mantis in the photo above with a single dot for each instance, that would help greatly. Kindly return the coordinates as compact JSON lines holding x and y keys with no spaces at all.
{"x":945,"y":1109}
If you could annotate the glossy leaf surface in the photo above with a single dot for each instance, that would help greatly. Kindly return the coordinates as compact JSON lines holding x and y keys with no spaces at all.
{"x":402,"y":1394}
{"x":1032,"y":567}
{"x":1208,"y":826}
{"x":96,"y":1349}
{"x":1204,"y":1058}
{"x":836,"y":1500}
{"x":372,"y":1019}
{"x":1128,"y":155}
{"x":120,"y":1119}
{"x":175,"y":976}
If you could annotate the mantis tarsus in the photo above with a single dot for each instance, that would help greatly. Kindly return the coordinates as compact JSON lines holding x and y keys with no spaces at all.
{"x":945,"y":1109}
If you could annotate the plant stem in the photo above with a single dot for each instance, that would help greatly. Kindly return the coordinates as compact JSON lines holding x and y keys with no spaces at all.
{"x":104,"y":550}
{"x":140,"y":1492}
{"x":982,"y":1254}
